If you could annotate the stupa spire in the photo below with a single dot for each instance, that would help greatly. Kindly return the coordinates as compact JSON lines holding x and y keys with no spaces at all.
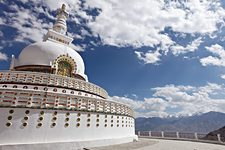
{"x":58,"y":33}
{"x":60,"y":24}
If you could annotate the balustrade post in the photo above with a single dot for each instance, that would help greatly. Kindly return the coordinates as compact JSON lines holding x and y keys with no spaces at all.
{"x":178,"y":136}
{"x":15,"y":100}
{"x":218,"y":137}
{"x":68,"y":103}
{"x":110,"y":107}
{"x":95,"y":103}
{"x":30,"y":101}
{"x":104,"y":106}
{"x":43,"y":100}
{"x":196,"y":136}
{"x":139,"y":133}
{"x":162,"y":134}
{"x":150,"y":134}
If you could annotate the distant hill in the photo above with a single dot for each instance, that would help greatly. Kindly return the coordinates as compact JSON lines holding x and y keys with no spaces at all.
{"x":203,"y":123}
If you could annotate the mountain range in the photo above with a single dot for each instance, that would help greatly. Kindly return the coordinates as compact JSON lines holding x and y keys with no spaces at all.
{"x":201,"y":123}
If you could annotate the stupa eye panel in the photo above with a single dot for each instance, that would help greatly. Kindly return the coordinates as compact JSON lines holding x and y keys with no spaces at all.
{"x":64,"y":69}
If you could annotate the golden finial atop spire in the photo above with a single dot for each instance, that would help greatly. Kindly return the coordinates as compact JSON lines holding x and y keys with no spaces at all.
{"x":63,"y":7}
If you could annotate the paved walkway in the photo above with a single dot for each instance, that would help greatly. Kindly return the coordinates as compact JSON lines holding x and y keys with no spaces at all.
{"x":158,"y":144}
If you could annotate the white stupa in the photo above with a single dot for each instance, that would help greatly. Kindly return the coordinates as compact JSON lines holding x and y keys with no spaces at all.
{"x":46,"y":100}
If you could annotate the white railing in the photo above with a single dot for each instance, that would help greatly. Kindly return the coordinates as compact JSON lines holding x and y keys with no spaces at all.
{"x":50,"y":80}
{"x":181,"y":136}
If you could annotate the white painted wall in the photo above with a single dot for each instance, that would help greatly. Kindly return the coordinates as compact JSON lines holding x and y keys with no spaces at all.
{"x":16,"y":134}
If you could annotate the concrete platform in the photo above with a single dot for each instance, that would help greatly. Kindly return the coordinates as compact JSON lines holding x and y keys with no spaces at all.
{"x":142,"y":144}
{"x":160,"y":144}
{"x":76,"y":145}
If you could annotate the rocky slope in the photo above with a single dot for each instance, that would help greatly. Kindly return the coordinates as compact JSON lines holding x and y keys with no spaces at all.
{"x":213,"y":135}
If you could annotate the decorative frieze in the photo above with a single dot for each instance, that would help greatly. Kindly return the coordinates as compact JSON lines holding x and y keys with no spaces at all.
{"x":32,"y":98}
{"x":51,"y":80}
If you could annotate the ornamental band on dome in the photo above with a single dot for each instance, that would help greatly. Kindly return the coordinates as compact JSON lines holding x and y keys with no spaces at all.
{"x":45,"y":98}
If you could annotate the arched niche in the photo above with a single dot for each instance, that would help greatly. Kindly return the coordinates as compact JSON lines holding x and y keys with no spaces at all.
{"x":65,"y":65}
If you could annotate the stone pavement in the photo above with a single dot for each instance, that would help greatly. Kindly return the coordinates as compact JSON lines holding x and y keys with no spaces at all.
{"x":160,"y":144}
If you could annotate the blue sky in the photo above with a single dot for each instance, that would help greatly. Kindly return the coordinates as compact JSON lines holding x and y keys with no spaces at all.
{"x":161,"y":57}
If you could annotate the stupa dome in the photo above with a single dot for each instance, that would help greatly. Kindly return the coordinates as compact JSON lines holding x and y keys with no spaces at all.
{"x":45,"y":53}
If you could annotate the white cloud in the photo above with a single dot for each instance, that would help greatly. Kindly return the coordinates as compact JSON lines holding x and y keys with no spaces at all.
{"x":179,"y":100}
{"x":28,"y":25}
{"x":147,"y":107}
{"x":3,"y":56}
{"x":191,"y":100}
{"x":131,"y":22}
{"x":125,"y":23}
{"x":1,"y":34}
{"x":223,"y":76}
{"x":77,"y":47}
{"x":179,"y":49}
{"x":1,"y":21}
{"x":154,"y":57}
{"x":149,"y":57}
{"x":218,"y":58}
{"x":72,"y":6}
